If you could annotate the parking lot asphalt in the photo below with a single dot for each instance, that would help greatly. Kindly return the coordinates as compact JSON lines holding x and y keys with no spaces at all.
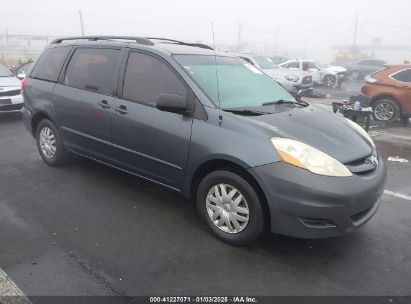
{"x":86,"y":229}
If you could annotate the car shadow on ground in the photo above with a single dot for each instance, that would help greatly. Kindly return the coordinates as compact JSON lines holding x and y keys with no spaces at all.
{"x":8,"y":118}
{"x":165,"y":199}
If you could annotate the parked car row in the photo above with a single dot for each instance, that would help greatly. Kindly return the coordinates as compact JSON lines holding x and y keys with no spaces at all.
{"x":292,"y":81}
{"x":322,"y":74}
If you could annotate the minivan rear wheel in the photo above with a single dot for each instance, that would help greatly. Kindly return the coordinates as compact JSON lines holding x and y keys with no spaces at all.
{"x":50,"y":144}
{"x":386,"y":110}
{"x":231,"y":207}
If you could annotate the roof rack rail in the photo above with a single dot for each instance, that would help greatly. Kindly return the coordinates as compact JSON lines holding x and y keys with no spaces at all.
{"x":172,"y":41}
{"x":140,"y":40}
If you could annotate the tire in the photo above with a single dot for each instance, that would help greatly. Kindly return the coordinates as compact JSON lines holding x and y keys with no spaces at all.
{"x":355,"y":75}
{"x":329,"y":81}
{"x":386,"y":109}
{"x":50,"y":144}
{"x":242,"y":233}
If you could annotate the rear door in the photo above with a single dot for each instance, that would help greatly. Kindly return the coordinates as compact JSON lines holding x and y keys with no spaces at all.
{"x":83,"y":99}
{"x":403,"y":84}
{"x":150,"y":142}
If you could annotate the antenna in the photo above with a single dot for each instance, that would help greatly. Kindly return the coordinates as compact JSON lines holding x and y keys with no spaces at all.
{"x":220,"y":117}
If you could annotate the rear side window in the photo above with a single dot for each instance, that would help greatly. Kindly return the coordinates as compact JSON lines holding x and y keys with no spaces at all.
{"x":93,"y":70}
{"x":49,"y":65}
{"x":294,"y":64}
{"x":404,"y":76}
{"x":147,"y":77}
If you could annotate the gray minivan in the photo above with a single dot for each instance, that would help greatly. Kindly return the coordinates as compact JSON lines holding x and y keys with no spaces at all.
{"x":209,"y":126}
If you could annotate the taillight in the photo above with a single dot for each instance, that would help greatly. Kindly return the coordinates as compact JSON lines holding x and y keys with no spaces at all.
{"x":24,"y":83}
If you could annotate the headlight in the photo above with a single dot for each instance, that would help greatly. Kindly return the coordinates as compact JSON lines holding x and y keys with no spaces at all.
{"x":306,"y":157}
{"x":360,"y":130}
{"x":292,"y":78}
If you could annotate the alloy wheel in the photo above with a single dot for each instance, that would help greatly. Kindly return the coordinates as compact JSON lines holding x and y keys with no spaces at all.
{"x":384,"y":111}
{"x":47,"y":142}
{"x":330,"y":81}
{"x":355,"y":75}
{"x":227,"y":208}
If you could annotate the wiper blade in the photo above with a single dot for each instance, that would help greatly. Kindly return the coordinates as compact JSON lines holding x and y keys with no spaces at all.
{"x":283,"y":101}
{"x":246,"y":112}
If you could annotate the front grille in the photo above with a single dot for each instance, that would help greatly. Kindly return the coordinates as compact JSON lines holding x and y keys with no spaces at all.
{"x":363,"y":165}
{"x":11,"y":107}
{"x":307,"y":80}
{"x":358,"y":216}
{"x":10,"y":93}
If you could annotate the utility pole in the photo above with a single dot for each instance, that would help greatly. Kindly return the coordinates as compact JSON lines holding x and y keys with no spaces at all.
{"x":81,"y":22}
{"x":240,"y":28}
{"x":355,"y":31}
{"x":7,"y":37}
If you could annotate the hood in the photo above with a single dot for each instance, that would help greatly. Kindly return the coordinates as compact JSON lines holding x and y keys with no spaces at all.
{"x":335,"y":69}
{"x":318,"y":128}
{"x":10,"y":82}
{"x":285,"y":71}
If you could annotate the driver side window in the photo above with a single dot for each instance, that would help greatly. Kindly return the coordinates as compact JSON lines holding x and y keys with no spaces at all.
{"x":147,"y":77}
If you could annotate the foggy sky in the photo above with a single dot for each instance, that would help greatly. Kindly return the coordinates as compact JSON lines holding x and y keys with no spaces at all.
{"x":314,"y":25}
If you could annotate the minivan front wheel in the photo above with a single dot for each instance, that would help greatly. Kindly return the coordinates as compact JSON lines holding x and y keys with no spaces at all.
{"x":50,"y":144}
{"x":231,"y":207}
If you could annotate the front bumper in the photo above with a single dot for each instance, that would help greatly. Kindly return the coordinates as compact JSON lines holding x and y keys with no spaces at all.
{"x":306,"y":205}
{"x":11,"y":104}
{"x":295,"y":87}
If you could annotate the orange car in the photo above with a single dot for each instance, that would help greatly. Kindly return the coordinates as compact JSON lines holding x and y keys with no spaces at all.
{"x":389,"y":92}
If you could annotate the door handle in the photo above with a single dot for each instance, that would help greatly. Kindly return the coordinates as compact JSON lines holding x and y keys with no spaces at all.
{"x":121,"y":109}
{"x":104,"y":104}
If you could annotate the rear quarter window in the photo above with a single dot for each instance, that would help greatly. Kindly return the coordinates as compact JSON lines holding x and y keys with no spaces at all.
{"x":404,"y":76}
{"x":50,"y":63}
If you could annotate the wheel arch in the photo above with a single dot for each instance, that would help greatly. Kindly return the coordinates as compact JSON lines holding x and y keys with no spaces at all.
{"x":385,"y":96}
{"x":228,"y":165}
{"x":39,"y":116}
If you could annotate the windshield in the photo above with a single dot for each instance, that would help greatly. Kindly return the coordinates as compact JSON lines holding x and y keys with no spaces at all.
{"x":4,"y":72}
{"x":240,"y":84}
{"x":265,"y":63}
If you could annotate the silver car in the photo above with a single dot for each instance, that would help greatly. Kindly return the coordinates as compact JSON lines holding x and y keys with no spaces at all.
{"x":11,"y":99}
{"x":291,"y":80}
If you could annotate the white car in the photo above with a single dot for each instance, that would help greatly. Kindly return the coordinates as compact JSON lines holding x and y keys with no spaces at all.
{"x":323,"y":74}
{"x":292,"y":81}
{"x":11,"y":99}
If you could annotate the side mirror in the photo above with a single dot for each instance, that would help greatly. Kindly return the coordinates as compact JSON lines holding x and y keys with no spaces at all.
{"x":173,"y":103}
{"x":21,"y":76}
{"x":13,"y":70}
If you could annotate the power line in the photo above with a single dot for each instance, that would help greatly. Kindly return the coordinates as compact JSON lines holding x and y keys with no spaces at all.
{"x":390,"y":25}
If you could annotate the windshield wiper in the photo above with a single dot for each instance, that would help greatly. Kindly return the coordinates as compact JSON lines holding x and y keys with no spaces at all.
{"x":246,"y":112}
{"x":283,"y":101}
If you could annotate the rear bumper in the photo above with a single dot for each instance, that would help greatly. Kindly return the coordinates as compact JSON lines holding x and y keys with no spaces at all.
{"x":306,"y":205}
{"x":27,"y":119}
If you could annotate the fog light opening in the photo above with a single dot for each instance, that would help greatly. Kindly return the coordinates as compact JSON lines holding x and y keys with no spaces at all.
{"x":317,"y":223}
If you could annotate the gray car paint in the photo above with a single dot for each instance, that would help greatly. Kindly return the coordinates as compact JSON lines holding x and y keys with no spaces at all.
{"x":168,"y":148}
